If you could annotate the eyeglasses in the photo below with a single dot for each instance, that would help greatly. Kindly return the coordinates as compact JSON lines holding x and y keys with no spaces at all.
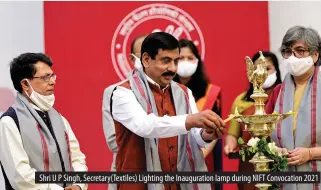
{"x":299,"y":52}
{"x":47,"y":77}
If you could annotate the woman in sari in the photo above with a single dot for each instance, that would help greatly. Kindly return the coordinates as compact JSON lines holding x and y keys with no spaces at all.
{"x":245,"y":106}
{"x":299,"y":135}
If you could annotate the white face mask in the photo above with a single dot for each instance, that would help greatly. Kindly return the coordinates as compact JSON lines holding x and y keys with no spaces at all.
{"x":270,"y":81}
{"x":43,"y":102}
{"x":138,"y":65}
{"x":186,"y":68}
{"x":298,"y":66}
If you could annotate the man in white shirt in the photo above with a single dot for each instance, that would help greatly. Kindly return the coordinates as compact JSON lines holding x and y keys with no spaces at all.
{"x":157,"y":126}
{"x":33,"y":135}
{"x":108,"y":122}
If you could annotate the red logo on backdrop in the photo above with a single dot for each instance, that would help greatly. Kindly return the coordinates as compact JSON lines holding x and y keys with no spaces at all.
{"x":148,"y":19}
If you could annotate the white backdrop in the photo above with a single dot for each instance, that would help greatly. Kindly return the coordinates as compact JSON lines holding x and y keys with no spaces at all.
{"x":285,"y":14}
{"x":21,"y":30}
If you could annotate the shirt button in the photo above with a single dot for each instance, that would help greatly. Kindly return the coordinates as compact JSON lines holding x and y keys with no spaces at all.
{"x":171,"y":148}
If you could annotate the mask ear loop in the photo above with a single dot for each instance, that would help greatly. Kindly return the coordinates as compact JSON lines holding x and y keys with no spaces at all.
{"x":137,"y":60}
{"x":135,"y":56}
{"x":30,"y":87}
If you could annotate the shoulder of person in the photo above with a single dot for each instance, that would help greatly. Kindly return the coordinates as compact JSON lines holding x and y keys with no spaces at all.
{"x":110,"y":88}
{"x":9,"y":118}
{"x":66,"y":123}
{"x":277,"y":88}
{"x":276,"y":92}
{"x":239,"y":98}
{"x":8,"y":124}
{"x":62,"y":117}
{"x":185,"y":88}
{"x":182,"y":85}
{"x":269,"y":107}
{"x":7,"y":121}
{"x":214,"y":86}
{"x":240,"y":103}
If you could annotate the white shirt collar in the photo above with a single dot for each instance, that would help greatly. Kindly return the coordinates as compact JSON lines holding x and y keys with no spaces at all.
{"x":155,"y":83}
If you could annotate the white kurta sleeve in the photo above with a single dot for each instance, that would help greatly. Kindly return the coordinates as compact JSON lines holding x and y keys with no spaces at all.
{"x":127,"y":110}
{"x":14,"y":159}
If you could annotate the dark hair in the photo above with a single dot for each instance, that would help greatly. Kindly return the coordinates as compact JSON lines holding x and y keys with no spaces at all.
{"x":199,"y":81}
{"x":158,"y":40}
{"x":134,"y":41}
{"x":23,"y":67}
{"x":275,"y":62}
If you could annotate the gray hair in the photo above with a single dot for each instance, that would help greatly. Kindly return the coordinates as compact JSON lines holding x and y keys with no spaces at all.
{"x":300,"y":33}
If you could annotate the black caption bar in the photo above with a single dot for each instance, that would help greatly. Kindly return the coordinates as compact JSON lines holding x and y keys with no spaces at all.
{"x":178,"y":177}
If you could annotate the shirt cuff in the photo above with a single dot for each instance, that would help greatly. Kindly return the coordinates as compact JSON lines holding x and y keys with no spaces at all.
{"x":198,"y":137}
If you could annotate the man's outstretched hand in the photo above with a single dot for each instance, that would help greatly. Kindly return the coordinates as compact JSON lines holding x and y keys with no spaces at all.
{"x":213,"y":125}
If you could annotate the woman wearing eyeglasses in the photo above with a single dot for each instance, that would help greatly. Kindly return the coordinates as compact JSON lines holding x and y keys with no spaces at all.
{"x":299,"y":135}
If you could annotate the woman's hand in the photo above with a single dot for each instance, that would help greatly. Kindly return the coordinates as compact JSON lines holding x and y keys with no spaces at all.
{"x":230,"y":144}
{"x":298,"y":156}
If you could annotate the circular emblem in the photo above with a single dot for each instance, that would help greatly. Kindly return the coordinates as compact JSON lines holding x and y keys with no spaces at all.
{"x":148,"y":19}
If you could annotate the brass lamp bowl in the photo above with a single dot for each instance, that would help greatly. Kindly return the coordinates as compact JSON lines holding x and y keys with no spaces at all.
{"x":261,"y":125}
